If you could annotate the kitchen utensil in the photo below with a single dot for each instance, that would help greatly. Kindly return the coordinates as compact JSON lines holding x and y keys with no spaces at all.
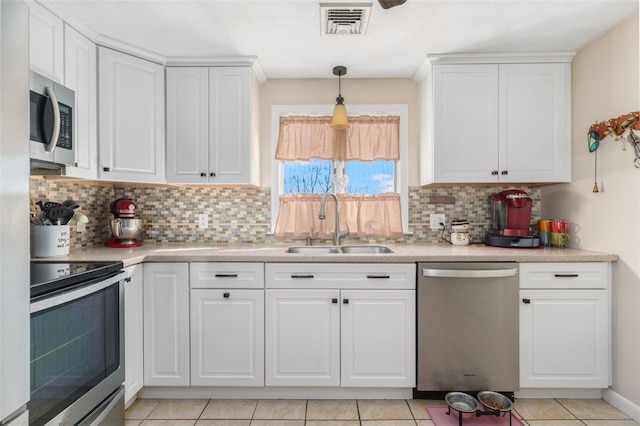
{"x":72,"y":204}
{"x":67,"y":214}
{"x":35,"y":219}
{"x":55,"y":214}
{"x":79,"y":217}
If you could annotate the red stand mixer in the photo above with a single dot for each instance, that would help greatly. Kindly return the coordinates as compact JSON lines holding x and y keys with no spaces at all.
{"x":126,"y":228}
{"x":511,"y":220}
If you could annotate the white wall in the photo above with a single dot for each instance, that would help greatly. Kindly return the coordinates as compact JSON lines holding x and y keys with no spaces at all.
{"x":605,"y":84}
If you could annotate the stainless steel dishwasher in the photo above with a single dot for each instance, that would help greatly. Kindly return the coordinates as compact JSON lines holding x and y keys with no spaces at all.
{"x":467,"y":328}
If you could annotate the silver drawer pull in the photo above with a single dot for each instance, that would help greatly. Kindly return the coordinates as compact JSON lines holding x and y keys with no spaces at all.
{"x":383,"y":277}
{"x":226,"y":275}
{"x":566,"y":275}
{"x":294,"y":276}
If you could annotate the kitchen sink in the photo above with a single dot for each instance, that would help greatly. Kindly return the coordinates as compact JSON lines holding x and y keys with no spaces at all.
{"x":366,"y":249}
{"x":335,"y":250}
{"x":313,"y":250}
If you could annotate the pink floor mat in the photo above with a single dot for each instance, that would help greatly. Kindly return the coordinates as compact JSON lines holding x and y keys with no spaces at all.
{"x":440,"y":417}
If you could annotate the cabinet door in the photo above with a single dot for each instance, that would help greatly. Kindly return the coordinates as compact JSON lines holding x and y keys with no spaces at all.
{"x":227,"y":337}
{"x":465,"y":114}
{"x":564,"y":339}
{"x":131,"y":114}
{"x":534,"y":130}
{"x":46,"y":43}
{"x":230,"y":133}
{"x":187,"y":125}
{"x":302,"y":338}
{"x":378,"y":337}
{"x":133,"y":333}
{"x":166,"y":324}
{"x":80,"y":72}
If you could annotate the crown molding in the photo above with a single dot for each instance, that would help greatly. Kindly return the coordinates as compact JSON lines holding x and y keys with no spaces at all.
{"x":130,"y":49}
{"x":422,"y":71}
{"x":228,"y":61}
{"x":500,"y":58}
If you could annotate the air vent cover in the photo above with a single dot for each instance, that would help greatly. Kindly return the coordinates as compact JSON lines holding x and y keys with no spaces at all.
{"x":344,"y":18}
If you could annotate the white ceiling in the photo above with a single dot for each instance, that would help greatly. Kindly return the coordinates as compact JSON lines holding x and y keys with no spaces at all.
{"x":284,"y":35}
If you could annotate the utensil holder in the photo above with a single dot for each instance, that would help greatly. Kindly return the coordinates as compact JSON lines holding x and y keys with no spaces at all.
{"x":51,"y":240}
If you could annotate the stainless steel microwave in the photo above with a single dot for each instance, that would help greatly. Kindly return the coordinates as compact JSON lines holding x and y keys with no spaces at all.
{"x":51,"y":124}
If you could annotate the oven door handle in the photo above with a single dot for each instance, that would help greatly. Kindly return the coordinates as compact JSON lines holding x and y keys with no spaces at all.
{"x":68,"y":296}
{"x":55,"y":132}
{"x":469,"y":273}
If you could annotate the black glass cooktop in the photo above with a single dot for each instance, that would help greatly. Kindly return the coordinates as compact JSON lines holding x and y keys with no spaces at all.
{"x":51,"y":276}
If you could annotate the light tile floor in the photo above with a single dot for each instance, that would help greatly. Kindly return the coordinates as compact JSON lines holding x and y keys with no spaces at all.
{"x":271,"y":412}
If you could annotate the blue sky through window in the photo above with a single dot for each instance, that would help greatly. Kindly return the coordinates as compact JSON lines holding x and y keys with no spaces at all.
{"x":315,"y":176}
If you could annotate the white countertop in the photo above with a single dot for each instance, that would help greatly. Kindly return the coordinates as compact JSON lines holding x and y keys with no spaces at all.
{"x":402,"y":253}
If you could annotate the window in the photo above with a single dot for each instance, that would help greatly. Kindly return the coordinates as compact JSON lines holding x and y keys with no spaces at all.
{"x":316,"y":176}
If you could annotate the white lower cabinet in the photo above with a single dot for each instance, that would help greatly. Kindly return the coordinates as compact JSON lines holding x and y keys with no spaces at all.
{"x":378,"y":338}
{"x":133,"y":332}
{"x":349,"y":325}
{"x":302,"y":333}
{"x":565,"y":324}
{"x":227,"y":324}
{"x":166,"y":324}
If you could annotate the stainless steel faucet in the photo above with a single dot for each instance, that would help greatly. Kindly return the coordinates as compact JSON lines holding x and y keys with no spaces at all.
{"x":322,"y":215}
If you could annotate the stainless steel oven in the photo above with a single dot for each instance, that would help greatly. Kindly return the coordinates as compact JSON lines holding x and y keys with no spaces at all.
{"x":77,"y":344}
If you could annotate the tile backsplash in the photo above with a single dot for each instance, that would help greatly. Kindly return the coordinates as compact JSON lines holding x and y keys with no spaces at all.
{"x":243,"y":214}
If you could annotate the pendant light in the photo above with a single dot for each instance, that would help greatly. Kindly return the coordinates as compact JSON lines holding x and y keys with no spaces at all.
{"x":339,"y":120}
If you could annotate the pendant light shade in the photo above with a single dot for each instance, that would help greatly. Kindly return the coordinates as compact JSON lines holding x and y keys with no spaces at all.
{"x":339,"y":120}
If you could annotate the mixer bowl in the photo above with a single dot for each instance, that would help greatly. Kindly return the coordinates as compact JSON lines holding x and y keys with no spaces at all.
{"x":124,"y":228}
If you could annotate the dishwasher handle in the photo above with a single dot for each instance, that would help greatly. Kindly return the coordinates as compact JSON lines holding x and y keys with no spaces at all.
{"x":469,"y":273}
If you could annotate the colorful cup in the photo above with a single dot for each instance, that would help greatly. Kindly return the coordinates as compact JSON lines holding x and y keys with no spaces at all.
{"x":544,"y":225}
{"x":559,"y":226}
{"x":558,"y":239}
{"x":545,"y":238}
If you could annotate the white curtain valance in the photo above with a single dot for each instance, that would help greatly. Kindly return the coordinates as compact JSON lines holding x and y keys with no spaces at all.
{"x":365,"y":215}
{"x":368,"y":138}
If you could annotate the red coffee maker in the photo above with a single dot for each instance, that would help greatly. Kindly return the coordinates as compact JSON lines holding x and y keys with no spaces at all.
{"x":511,"y":220}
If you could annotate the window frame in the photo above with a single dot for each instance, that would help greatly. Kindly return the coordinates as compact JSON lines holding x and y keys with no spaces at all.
{"x":402,"y":175}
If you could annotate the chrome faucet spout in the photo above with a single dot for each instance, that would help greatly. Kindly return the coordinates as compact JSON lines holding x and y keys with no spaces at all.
{"x":337,"y":234}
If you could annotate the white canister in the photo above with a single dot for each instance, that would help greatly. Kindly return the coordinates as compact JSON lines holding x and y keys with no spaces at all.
{"x":460,"y":238}
{"x":51,"y":240}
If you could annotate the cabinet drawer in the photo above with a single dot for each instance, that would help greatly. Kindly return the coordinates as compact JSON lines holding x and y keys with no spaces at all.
{"x":565,"y":275}
{"x":340,"y":275}
{"x":226,"y":275}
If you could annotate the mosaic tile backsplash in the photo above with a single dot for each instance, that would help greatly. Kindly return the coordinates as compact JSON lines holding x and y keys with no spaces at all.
{"x":243,"y":214}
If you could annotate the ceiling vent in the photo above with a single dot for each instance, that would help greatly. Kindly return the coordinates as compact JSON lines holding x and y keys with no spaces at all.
{"x":344,"y":18}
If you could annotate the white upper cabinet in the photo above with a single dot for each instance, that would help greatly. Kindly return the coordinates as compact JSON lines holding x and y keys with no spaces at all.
{"x":131,"y":117}
{"x":46,"y":43}
{"x":210,"y":125}
{"x":465,"y":129}
{"x":80,"y":75}
{"x":496,"y":123}
{"x":534,"y":123}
